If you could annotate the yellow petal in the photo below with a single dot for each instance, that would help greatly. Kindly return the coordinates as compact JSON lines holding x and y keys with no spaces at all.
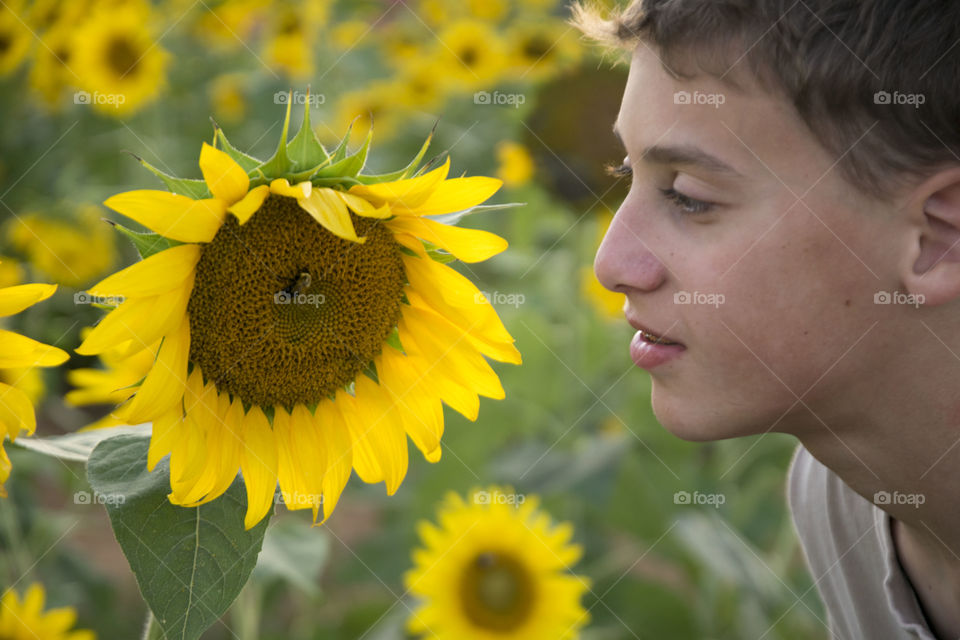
{"x":444,"y":346}
{"x":281,"y":187}
{"x":455,"y":195}
{"x":289,"y":472}
{"x":469,"y":245}
{"x":419,"y":406}
{"x":164,"y":385}
{"x":16,"y":299}
{"x":16,"y":412}
{"x":409,"y":193}
{"x":379,"y":434}
{"x":171,"y":215}
{"x":163,"y":436}
{"x":325,"y":207}
{"x":456,"y":298}
{"x":152,"y":276}
{"x":226,"y":179}
{"x":362,"y":207}
{"x":258,"y":461}
{"x":5,"y":467}
{"x":20,"y":351}
{"x":335,"y":436}
{"x":249,"y":204}
{"x":459,"y":397}
{"x":143,"y":320}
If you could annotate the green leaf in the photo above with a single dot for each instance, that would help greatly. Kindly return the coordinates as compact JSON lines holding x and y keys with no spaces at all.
{"x":190,"y":563}
{"x":77,"y":446}
{"x":196,"y":189}
{"x":305,"y":150}
{"x":147,"y":243}
{"x":279,"y":164}
{"x":247,"y":162}
{"x":401,"y":174}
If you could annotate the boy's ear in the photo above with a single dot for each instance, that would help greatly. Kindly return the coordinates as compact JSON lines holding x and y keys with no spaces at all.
{"x":935,"y":252}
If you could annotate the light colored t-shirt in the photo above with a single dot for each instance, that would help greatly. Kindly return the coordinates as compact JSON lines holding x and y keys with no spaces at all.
{"x":849,"y":549}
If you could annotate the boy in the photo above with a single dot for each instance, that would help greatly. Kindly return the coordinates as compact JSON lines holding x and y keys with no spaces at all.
{"x":796,"y":166}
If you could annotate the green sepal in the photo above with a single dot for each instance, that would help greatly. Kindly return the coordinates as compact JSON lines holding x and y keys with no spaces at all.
{"x":401,"y":174}
{"x":454,"y":217}
{"x":394,"y":340}
{"x":341,"y":151}
{"x":247,"y":162}
{"x":335,"y":182}
{"x":196,"y":189}
{"x":348,"y":166}
{"x":278,"y":165}
{"x":147,"y":243}
{"x":305,"y":151}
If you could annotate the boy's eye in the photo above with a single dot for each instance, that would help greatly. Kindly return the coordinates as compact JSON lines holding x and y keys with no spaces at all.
{"x":685,"y":203}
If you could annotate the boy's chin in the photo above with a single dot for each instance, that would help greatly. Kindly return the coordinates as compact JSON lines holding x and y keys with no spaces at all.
{"x":690,"y":422}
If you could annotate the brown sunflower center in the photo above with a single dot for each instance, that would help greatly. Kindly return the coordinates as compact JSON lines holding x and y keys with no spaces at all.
{"x":284,"y":312}
{"x":122,"y":56}
{"x":497,"y":592}
{"x":536,"y":47}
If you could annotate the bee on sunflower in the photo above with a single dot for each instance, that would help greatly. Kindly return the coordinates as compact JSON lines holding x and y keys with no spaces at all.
{"x":302,"y":320}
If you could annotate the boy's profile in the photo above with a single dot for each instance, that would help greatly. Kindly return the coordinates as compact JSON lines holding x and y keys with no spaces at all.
{"x":800,"y":161}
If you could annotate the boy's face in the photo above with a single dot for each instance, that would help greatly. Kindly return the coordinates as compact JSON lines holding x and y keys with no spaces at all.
{"x":788,"y":254}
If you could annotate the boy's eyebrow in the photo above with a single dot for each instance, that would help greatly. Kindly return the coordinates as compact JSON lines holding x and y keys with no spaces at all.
{"x":687,"y":155}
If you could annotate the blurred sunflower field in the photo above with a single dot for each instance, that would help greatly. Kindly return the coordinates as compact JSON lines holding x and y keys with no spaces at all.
{"x":554,"y":507}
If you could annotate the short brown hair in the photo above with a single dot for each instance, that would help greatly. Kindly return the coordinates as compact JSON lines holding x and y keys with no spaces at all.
{"x":876,"y":81}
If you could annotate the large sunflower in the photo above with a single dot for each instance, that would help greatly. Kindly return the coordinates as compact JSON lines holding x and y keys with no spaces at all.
{"x":20,"y":354}
{"x":26,"y":619}
{"x":303,"y":320}
{"x":496,"y":568}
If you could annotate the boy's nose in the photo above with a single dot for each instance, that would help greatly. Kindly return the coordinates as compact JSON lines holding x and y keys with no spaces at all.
{"x":625,"y":262}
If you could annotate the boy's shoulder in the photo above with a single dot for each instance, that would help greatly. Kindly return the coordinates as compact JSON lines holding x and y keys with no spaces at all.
{"x":849,"y":550}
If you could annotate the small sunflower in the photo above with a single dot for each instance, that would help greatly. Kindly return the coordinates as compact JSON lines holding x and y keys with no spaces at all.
{"x":20,"y":352}
{"x":472,"y":53}
{"x":119,"y":62}
{"x":539,"y":48}
{"x":305,"y":318}
{"x":516,"y":164}
{"x":496,"y":568}
{"x":26,"y":619}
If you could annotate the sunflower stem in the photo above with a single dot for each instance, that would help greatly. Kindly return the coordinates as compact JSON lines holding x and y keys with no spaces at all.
{"x":246,"y":612}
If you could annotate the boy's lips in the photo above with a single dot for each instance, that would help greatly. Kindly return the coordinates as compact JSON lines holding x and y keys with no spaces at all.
{"x":650,"y":334}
